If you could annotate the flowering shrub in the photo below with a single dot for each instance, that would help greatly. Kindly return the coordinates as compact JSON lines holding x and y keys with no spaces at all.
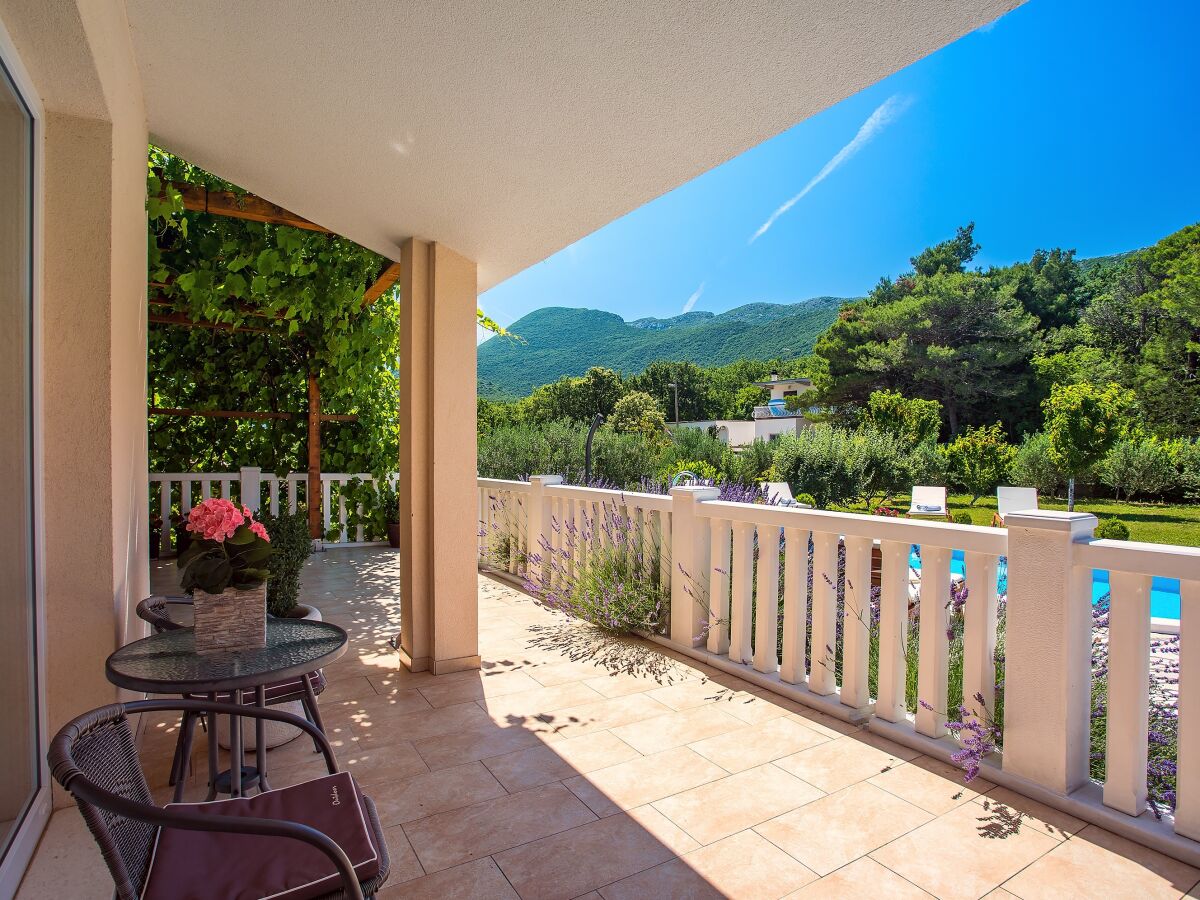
{"x":228,"y":549}
{"x":606,"y":570}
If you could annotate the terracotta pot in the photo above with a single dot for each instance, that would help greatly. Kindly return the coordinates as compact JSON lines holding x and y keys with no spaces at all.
{"x":394,"y":535}
{"x":275,"y":733}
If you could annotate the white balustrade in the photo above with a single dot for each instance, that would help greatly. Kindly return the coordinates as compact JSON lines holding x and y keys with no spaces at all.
{"x":764,"y":592}
{"x":181,"y":491}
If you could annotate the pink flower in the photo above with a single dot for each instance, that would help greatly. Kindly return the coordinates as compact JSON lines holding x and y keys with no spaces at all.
{"x":215,"y":519}
{"x":260,"y":530}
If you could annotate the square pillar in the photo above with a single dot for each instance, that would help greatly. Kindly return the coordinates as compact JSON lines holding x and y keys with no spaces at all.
{"x":437,"y":476}
{"x":1048,"y":650}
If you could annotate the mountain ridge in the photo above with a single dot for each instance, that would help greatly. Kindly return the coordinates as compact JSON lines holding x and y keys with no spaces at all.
{"x":560,"y":341}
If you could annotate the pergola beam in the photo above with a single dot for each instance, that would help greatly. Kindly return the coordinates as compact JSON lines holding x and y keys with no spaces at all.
{"x":198,"y":198}
{"x":387,"y":278}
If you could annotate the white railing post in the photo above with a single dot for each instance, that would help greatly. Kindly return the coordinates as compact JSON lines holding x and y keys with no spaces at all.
{"x":690,"y":550}
{"x":1048,"y":643}
{"x":251,"y":479}
{"x":1187,"y":809}
{"x":540,"y":525}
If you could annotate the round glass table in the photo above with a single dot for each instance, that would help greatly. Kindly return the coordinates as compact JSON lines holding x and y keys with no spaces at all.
{"x":167,"y":663}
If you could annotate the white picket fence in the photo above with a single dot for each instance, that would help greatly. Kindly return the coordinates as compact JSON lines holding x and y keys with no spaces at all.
{"x":731,"y":556}
{"x":256,"y":489}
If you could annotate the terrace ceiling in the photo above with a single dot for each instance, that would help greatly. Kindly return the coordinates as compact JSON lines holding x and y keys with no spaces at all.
{"x":506,"y":130}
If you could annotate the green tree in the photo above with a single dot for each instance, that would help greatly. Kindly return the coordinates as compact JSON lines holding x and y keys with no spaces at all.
{"x":695,"y":403}
{"x":1048,"y":286}
{"x":638,"y":413}
{"x":979,"y":460}
{"x":1033,"y":467}
{"x":949,"y":256}
{"x":913,"y":421}
{"x":577,"y":399}
{"x":1082,"y":424}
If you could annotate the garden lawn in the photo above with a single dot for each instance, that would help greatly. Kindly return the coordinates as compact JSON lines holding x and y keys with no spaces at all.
{"x":1155,"y":523}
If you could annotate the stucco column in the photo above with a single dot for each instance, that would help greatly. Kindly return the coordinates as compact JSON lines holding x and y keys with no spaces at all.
{"x":1047,"y":650}
{"x":437,"y":483}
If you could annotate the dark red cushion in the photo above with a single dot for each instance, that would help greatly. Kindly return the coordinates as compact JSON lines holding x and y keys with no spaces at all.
{"x":191,"y":865}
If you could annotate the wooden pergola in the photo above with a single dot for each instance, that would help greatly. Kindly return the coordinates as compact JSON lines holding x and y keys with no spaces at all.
{"x":199,"y":198}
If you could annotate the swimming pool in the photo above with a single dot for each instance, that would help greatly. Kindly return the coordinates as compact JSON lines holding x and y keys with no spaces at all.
{"x":1164,"y":592}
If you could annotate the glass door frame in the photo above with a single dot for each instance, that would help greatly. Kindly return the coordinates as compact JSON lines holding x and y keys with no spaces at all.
{"x":37,"y":812}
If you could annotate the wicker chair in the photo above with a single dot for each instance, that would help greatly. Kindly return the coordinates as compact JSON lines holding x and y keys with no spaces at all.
{"x":148,"y":849}
{"x":157,"y":611}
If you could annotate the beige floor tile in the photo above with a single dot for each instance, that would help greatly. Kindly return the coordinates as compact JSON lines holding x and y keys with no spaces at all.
{"x":677,"y":728}
{"x":374,"y":707}
{"x":1008,"y":811}
{"x":597,"y":716}
{"x":353,"y":687}
{"x":666,"y":831}
{"x":527,"y":706}
{"x":478,"y":686}
{"x":477,"y":742}
{"x":619,"y":684}
{"x":934,"y":786}
{"x":754,"y":745}
{"x":722,"y":808}
{"x":405,"y":865}
{"x":1093,"y":856}
{"x":563,"y":672}
{"x":863,"y":879}
{"x":373,"y":764}
{"x":423,"y":795}
{"x":754,"y":709}
{"x":543,"y":764}
{"x":744,"y":866}
{"x":973,"y":856}
{"x":418,"y":726}
{"x":67,"y":864}
{"x":692,"y":693}
{"x":451,"y":838}
{"x":585,"y":858}
{"x":835,"y":830}
{"x":478,"y":880}
{"x":840,"y":763}
{"x":643,"y":780}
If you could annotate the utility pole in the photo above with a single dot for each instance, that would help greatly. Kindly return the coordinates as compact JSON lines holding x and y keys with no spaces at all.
{"x":675,"y":387}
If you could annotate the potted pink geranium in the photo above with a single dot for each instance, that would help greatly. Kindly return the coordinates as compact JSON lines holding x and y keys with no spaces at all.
{"x":225,"y":569}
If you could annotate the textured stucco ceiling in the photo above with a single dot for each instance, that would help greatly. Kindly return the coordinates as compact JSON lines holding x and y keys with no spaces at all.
{"x":506,"y":130}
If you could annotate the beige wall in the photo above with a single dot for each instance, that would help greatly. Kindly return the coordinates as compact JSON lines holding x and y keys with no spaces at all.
{"x":439,"y":517}
{"x":94,"y":337}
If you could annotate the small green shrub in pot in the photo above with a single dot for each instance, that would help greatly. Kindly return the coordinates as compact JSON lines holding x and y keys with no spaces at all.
{"x":1113,"y":530}
{"x":293,"y":544}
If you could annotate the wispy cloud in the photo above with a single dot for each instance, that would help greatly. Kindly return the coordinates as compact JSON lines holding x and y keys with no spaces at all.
{"x":886,"y":113}
{"x":691,"y":301}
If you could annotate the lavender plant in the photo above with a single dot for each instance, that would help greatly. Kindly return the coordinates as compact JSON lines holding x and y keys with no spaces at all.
{"x":605,"y":568}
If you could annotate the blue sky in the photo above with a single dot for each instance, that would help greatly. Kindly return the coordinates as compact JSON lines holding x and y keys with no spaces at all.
{"x":1064,"y":123}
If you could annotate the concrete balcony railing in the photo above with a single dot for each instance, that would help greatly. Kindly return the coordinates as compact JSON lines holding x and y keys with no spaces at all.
{"x":736,"y":553}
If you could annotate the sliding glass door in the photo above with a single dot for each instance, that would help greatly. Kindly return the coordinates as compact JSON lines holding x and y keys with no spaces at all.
{"x":21,"y":752}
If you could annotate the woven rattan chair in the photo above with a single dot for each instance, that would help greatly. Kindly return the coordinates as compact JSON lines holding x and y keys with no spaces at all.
{"x":155,"y":852}
{"x":157,"y":611}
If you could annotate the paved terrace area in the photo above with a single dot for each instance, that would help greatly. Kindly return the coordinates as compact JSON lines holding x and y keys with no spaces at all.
{"x":575,"y":765}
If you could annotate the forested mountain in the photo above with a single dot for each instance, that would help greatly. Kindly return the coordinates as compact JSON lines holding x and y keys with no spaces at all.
{"x":559,"y":341}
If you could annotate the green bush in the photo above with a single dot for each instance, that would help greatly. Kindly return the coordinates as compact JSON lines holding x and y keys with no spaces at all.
{"x":1033,"y":466}
{"x":699,"y":468}
{"x":695,"y":444}
{"x":1138,"y":467}
{"x":837,"y":466}
{"x":754,"y":464}
{"x":1113,"y":530}
{"x":292,"y":543}
{"x":515,"y":452}
{"x":638,"y":413}
{"x":1186,"y":457}
{"x":962,"y":517}
{"x":623,"y":459}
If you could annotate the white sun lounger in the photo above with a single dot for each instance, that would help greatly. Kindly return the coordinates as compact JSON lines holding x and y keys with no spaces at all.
{"x":1013,"y":499}
{"x":928,"y":501}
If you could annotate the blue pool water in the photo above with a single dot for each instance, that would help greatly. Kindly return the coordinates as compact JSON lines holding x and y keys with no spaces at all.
{"x":1164,"y":592}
